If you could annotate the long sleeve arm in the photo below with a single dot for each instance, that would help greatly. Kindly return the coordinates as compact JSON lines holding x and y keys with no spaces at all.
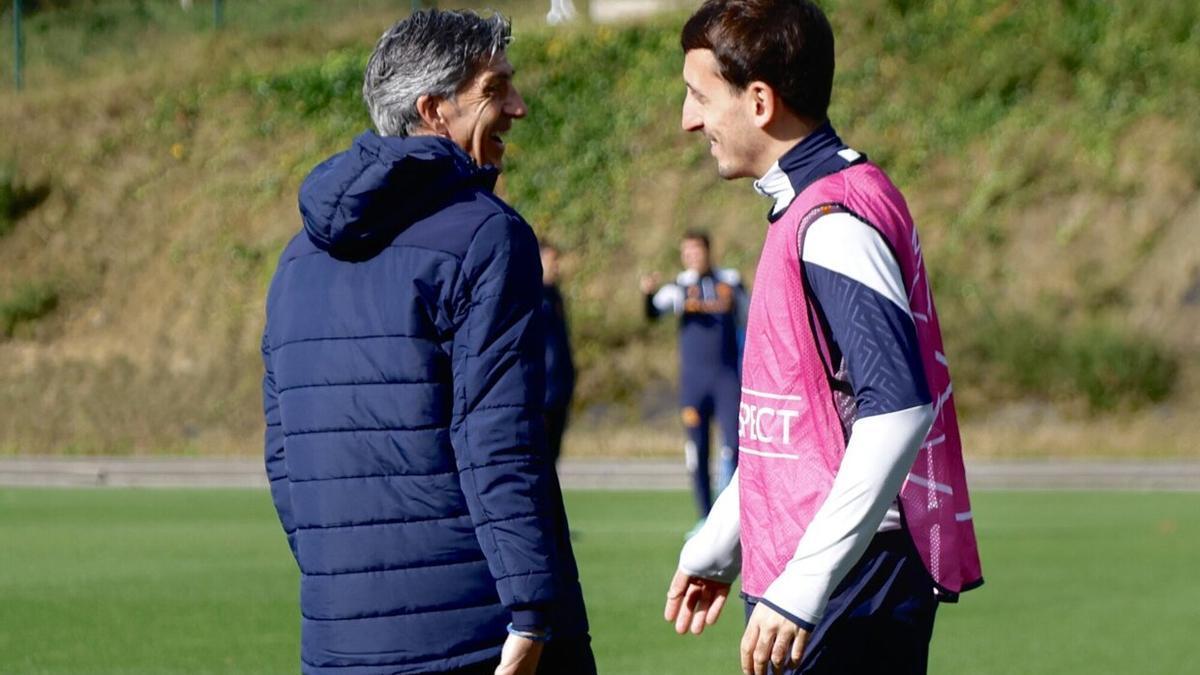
{"x":857,"y":283}
{"x":715,"y":552}
{"x":667,"y":300}
{"x":877,"y":459}
{"x":499,"y":442}
{"x":273,"y":451}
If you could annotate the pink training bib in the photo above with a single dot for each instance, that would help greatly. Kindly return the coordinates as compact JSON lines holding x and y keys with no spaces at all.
{"x":792,"y":429}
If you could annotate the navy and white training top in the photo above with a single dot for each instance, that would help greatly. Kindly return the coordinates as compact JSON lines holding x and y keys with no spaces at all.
{"x":711,"y":307}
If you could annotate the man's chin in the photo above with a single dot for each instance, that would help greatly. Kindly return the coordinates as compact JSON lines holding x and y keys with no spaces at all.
{"x":730,"y":172}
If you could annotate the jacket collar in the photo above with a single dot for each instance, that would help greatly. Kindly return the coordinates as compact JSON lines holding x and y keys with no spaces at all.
{"x":817,"y":155}
{"x":357,"y":201}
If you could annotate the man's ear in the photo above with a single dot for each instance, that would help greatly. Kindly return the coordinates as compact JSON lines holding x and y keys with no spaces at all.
{"x":764,"y":103}
{"x":429,"y":108}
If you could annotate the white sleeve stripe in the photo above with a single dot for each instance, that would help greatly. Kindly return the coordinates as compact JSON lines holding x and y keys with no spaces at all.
{"x":843,"y":244}
{"x":930,"y":484}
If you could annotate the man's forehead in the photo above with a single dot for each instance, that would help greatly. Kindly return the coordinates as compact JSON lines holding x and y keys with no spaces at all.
{"x":700,"y":67}
{"x":498,"y":67}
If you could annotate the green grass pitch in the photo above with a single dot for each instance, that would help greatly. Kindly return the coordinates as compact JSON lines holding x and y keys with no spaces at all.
{"x":188,"y":581}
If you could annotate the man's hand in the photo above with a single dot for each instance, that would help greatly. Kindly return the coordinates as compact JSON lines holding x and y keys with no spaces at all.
{"x":694,"y":602}
{"x":519,"y":656}
{"x":771,"y":638}
{"x":649,"y":283}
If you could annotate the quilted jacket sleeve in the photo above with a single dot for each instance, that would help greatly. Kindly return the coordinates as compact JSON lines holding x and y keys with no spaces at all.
{"x":498,"y":436}
{"x":273,"y":451}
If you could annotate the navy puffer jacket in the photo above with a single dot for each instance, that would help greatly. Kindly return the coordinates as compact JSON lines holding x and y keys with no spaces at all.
{"x":404,"y":443}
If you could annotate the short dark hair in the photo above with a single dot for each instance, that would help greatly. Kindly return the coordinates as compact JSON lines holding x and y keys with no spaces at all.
{"x":547,"y":245}
{"x":697,"y":235}
{"x":787,"y":44}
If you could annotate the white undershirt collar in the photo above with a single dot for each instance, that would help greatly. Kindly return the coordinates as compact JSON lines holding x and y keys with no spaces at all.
{"x":776,"y":185}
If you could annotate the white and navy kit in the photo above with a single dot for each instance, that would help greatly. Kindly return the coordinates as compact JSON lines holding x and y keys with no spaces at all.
{"x":711,"y":308}
{"x":874,"y":611}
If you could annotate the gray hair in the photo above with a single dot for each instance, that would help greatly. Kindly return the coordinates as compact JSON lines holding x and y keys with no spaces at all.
{"x":433,"y":53}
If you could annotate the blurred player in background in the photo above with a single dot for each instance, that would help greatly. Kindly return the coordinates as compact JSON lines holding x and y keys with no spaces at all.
{"x":710,"y":303}
{"x":560,"y":367}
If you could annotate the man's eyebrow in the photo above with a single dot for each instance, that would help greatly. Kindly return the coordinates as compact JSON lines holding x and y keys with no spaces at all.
{"x":495,"y":77}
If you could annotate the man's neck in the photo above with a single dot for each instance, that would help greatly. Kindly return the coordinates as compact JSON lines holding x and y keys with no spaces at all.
{"x":784,"y":134}
{"x":819,"y":153}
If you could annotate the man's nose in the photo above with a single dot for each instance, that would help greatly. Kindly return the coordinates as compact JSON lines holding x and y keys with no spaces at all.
{"x":515,"y":105}
{"x":689,"y":119}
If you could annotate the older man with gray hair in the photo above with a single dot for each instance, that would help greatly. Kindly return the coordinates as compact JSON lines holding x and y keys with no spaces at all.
{"x":403,"y":384}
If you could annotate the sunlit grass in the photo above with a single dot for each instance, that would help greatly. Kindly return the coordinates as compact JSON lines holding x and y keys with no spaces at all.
{"x":156,"y":581}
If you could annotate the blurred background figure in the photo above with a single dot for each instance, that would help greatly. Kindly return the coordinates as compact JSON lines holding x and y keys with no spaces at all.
{"x":711,"y":305}
{"x":560,"y":367}
{"x":561,"y":11}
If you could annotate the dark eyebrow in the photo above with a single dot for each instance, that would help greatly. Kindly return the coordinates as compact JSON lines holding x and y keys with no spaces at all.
{"x":498,"y":78}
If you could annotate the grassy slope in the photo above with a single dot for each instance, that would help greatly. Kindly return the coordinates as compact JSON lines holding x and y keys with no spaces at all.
{"x":128,"y":581}
{"x":1044,"y":151}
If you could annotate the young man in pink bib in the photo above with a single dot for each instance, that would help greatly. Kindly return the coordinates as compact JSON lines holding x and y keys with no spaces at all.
{"x":849,"y":519}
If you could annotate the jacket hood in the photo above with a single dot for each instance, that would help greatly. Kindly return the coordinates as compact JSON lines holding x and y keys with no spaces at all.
{"x":356,"y":202}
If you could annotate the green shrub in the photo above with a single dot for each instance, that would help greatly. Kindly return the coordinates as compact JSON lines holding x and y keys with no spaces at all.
{"x":29,"y":302}
{"x":1110,"y":368}
{"x":17,"y":197}
{"x":1091,"y":361}
{"x":7,"y":197}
